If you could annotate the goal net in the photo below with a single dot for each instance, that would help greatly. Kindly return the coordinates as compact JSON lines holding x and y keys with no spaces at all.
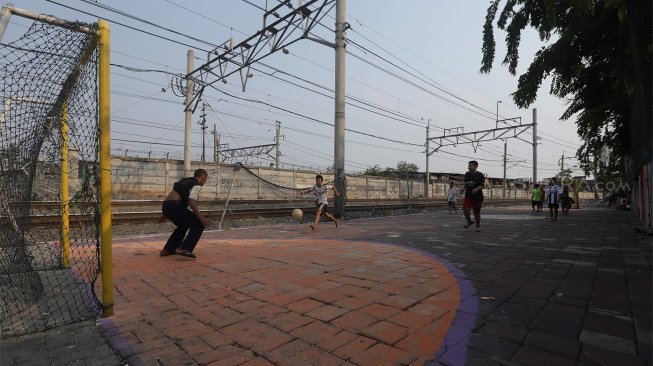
{"x":49,"y":254}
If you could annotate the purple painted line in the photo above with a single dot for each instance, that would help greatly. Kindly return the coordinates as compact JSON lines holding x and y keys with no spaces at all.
{"x":453,"y":351}
{"x":463,"y":318}
{"x":123,"y":346}
{"x":469,"y":306}
{"x":454,"y":356}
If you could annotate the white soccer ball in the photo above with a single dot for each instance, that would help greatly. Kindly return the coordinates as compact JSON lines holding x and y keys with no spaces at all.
{"x":297,"y":214}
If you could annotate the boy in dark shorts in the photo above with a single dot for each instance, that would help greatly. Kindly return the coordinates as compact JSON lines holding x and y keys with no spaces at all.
{"x":536,"y":200}
{"x":566,"y":201}
{"x":452,"y":192}
{"x":553,"y":193}
{"x":320,"y":191}
{"x":474,"y":181}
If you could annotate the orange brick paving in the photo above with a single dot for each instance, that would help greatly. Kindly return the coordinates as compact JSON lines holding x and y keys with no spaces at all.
{"x":310,"y":301}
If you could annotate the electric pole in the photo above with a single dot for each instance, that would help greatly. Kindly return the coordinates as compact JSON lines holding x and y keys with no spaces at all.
{"x":277,"y":140}
{"x":216,"y":145}
{"x":339,"y":134}
{"x":203,"y":125}
{"x":428,"y":175}
{"x":562,"y":169}
{"x":534,"y":145}
{"x":497,"y":119}
{"x":505,"y":167}
{"x":188,"y":111}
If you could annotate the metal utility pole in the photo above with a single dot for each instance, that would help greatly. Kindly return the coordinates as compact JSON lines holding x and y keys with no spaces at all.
{"x":188,"y":111}
{"x":217,"y":149}
{"x":505,"y":167}
{"x":203,"y":125}
{"x":216,"y":145}
{"x":339,"y":140}
{"x":562,"y":169}
{"x":534,"y":145}
{"x":277,"y":140}
{"x":428,"y":174}
{"x":497,"y":120}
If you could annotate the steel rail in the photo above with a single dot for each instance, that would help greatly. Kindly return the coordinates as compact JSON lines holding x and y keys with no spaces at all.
{"x":53,"y":220}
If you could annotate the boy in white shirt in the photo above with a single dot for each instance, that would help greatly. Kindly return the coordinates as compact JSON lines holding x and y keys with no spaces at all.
{"x":452,"y":192}
{"x":320,"y":191}
{"x":553,"y":193}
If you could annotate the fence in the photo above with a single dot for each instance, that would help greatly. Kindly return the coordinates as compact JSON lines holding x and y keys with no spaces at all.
{"x":142,"y":178}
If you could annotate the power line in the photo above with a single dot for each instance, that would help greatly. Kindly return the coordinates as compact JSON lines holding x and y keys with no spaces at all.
{"x":204,"y":16}
{"x":293,"y":113}
{"x":419,"y":78}
{"x":125,"y":14}
{"x":126,"y":26}
{"x":313,"y":119}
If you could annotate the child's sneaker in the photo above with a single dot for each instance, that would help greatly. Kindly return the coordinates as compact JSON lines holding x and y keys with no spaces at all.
{"x":470,"y":223}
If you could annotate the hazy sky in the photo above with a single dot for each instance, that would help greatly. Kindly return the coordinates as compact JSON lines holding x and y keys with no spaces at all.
{"x":438,"y":42}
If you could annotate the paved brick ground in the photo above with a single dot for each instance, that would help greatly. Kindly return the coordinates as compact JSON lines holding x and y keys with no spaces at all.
{"x":395,"y":290}
{"x":280,"y":301}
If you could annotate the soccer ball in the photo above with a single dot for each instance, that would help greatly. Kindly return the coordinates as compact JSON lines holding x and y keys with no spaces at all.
{"x":297,"y":214}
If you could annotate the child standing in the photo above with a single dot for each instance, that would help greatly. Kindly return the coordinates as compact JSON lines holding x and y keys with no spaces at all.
{"x":566,"y":201}
{"x":474,"y":182}
{"x":553,"y":193}
{"x":320,"y":191}
{"x":536,"y":198}
{"x":452,"y":192}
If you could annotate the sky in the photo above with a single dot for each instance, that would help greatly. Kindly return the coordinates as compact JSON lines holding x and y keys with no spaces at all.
{"x":432,"y":47}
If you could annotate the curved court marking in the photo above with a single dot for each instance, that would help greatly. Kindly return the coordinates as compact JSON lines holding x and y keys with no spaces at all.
{"x":403,"y":301}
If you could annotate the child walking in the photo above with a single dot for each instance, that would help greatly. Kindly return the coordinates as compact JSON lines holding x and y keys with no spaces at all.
{"x":452,"y":192}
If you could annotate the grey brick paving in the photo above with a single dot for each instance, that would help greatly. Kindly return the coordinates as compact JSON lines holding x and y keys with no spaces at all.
{"x":574,"y":292}
{"x":75,"y":344}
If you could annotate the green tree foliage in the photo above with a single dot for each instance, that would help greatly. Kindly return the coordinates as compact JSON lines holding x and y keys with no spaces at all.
{"x":598,"y":55}
{"x":403,"y":168}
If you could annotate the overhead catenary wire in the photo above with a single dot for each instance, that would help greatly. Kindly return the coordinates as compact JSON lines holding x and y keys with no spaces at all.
{"x":126,"y":26}
{"x":129,"y":15}
{"x":301,"y":116}
{"x":275,"y":75}
{"x":173,"y":102}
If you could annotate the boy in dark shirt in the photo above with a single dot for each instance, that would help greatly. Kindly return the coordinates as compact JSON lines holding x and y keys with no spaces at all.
{"x":180,"y":207}
{"x":474,"y":181}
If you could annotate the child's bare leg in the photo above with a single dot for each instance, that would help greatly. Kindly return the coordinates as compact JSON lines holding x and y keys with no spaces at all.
{"x":331,"y":217}
{"x":317,"y":219}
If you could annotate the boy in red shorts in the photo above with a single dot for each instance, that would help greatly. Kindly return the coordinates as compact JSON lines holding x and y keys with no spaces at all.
{"x":474,"y":181}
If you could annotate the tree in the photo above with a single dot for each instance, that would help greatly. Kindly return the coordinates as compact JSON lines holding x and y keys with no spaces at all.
{"x":405,"y":168}
{"x":373,"y":170}
{"x":566,"y":174}
{"x":600,"y":62}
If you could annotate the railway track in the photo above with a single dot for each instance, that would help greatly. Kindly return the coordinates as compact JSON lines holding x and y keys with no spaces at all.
{"x":237,"y":210}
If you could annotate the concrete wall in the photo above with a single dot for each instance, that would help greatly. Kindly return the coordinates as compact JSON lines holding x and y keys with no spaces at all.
{"x":142,"y":178}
